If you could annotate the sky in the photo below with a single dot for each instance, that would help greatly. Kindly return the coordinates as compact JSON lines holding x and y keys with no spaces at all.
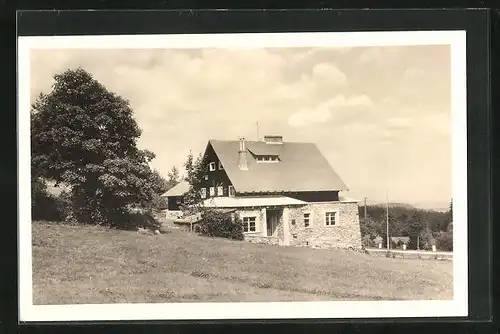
{"x":380,"y":115}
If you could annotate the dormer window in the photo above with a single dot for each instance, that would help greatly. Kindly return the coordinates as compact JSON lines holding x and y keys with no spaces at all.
{"x":211,"y":166}
{"x":267,"y":158}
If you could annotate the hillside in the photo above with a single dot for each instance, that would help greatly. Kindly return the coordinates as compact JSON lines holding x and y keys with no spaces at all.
{"x":394,"y":205}
{"x":96,"y":265}
{"x":431,"y":206}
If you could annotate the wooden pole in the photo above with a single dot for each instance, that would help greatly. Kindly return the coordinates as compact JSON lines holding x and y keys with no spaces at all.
{"x":365,"y":207}
{"x":387,"y":222}
{"x":418,"y":242}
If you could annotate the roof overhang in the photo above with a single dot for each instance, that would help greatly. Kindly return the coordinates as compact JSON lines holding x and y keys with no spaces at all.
{"x":178,"y":190}
{"x":241,"y":202}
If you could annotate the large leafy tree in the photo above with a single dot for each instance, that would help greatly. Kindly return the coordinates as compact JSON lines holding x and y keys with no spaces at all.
{"x":85,"y":136}
{"x":194,"y":176}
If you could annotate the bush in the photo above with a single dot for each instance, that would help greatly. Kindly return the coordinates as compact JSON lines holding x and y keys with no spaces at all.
{"x":63,"y":205}
{"x":367,"y":241}
{"x":44,"y":206}
{"x":444,"y":241}
{"x":219,"y":224}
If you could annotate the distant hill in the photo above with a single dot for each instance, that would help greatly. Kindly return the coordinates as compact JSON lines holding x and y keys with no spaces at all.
{"x":393,"y":205}
{"x":438,"y":207}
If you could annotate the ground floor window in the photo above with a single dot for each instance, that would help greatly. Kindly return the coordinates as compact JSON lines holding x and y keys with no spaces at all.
{"x":330,"y":218}
{"x":307,"y":219}
{"x":249,"y":224}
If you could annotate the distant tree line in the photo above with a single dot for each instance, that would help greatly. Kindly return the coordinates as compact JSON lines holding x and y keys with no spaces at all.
{"x":423,"y":227}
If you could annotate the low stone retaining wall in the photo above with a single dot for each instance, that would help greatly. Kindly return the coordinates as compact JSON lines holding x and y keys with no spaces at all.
{"x":412,"y":254}
{"x":258,"y":239}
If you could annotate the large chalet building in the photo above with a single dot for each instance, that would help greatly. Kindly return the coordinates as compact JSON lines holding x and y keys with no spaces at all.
{"x":285,"y":193}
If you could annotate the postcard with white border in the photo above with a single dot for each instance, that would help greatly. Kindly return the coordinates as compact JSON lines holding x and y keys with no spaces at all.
{"x":243,"y":176}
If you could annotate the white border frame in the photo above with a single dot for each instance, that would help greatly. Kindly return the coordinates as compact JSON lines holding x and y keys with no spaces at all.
{"x":289,"y":310}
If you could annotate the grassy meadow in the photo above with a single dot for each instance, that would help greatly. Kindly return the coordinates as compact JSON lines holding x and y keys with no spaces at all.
{"x":88,"y":264}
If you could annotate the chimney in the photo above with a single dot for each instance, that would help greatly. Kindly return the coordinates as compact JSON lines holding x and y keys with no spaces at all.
{"x":272,"y":139}
{"x":242,"y":156}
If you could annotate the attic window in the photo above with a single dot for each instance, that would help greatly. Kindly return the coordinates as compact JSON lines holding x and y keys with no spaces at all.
{"x":267,"y":158}
{"x":211,"y":166}
{"x":220,"y":166}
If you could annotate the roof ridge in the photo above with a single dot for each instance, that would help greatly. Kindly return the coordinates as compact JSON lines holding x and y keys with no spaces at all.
{"x":260,"y":141}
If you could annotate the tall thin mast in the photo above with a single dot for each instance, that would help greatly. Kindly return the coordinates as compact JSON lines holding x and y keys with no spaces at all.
{"x":387,"y":218}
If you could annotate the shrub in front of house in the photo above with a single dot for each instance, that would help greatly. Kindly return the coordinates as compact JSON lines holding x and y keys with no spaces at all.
{"x":219,"y":224}
{"x":367,"y":241}
{"x":444,"y":241}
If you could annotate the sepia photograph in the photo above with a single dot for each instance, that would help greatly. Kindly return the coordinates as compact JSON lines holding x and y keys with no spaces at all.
{"x":243,"y":176}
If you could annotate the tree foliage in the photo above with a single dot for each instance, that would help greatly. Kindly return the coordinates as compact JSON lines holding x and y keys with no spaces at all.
{"x":427,"y":226}
{"x":86,"y":137}
{"x":194,"y":176}
{"x":160,"y":186}
{"x":215,"y":223}
{"x":45,"y":206}
{"x":173,"y":177}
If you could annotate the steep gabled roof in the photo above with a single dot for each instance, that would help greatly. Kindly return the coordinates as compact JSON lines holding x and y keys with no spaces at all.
{"x":178,"y":190}
{"x":302,"y":167}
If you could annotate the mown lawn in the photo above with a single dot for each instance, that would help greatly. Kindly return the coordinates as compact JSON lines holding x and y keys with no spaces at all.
{"x":73,"y":265}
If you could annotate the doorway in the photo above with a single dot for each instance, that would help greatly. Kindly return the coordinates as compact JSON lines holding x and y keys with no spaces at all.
{"x":273,"y":218}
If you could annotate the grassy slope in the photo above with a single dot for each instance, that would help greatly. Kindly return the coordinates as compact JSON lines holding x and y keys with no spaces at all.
{"x":97,"y":265}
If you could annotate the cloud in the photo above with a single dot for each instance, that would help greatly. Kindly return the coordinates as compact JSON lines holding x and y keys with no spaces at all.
{"x":388,"y":101}
{"x":438,"y":122}
{"x":319,"y":114}
{"x":353,"y":101}
{"x":413,"y":72}
{"x":323,"y":112}
{"x":370,"y":55}
{"x":398,"y":123}
{"x":381,"y":55}
{"x":329,"y":73}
